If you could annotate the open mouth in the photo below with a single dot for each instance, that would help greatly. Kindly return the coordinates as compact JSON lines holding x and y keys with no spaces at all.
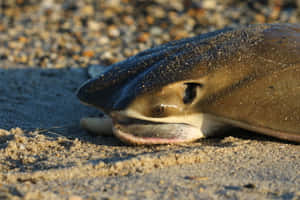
{"x":138,"y":132}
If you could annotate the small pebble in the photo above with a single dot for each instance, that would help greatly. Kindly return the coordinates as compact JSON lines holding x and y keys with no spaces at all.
{"x":209,"y":4}
{"x":75,"y":198}
{"x":113,"y":31}
{"x":88,"y":53}
{"x":143,"y":37}
{"x":88,"y":10}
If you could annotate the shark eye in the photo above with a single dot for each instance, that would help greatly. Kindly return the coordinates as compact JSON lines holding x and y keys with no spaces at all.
{"x":190,"y":92}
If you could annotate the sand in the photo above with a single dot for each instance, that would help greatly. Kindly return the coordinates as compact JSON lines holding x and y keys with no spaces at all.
{"x":45,"y":155}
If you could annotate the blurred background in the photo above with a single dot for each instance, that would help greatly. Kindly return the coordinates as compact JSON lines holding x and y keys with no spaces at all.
{"x":79,"y":33}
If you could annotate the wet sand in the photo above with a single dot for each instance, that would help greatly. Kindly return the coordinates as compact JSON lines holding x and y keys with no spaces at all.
{"x":45,"y":155}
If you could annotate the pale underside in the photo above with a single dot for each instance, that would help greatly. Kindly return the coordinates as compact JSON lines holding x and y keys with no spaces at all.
{"x":173,"y":129}
{"x":208,"y":126}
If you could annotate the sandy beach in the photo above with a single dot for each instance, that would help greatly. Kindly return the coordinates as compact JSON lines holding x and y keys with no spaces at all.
{"x":44,"y":154}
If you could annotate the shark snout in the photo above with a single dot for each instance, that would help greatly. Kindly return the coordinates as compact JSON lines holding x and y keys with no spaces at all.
{"x":102,"y":98}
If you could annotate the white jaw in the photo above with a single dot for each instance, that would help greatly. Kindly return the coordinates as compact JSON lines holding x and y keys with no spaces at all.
{"x":99,"y":126}
{"x":166,"y":131}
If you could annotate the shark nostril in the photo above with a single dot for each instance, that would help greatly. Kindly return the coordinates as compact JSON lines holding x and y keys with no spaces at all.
{"x":158,"y":111}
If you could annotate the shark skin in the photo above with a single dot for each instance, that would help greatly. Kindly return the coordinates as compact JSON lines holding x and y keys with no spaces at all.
{"x":192,"y":88}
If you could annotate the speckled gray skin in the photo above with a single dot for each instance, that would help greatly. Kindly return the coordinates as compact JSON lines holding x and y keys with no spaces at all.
{"x":252,"y":78}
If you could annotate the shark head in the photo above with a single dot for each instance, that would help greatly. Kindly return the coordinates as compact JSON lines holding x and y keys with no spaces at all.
{"x":188,"y":89}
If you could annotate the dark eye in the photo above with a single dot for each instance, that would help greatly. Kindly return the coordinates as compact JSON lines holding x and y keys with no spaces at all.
{"x":190,"y":92}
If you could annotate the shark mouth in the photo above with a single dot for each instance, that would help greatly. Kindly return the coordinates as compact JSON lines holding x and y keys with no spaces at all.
{"x":143,"y":132}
